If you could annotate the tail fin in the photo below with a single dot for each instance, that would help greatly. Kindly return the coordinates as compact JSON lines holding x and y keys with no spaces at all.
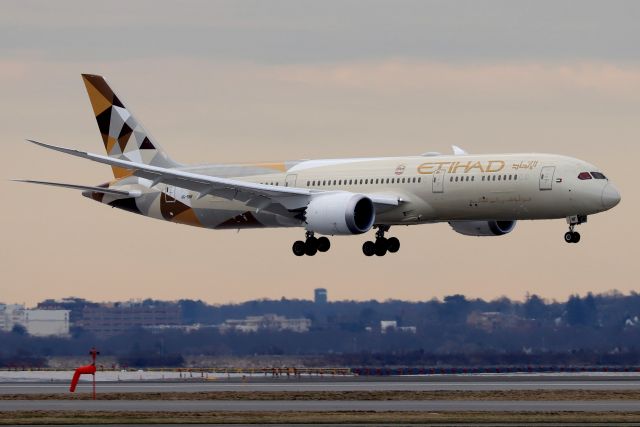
{"x":123,"y":136}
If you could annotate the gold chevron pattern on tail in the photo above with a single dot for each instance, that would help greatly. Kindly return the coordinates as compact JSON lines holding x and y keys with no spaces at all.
{"x":123,"y":136}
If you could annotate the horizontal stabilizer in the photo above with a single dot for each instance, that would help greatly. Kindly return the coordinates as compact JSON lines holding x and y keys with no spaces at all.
{"x":83,"y":188}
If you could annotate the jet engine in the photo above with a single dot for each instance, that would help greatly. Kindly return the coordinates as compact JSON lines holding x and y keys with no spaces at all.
{"x":340,"y":214}
{"x":483,"y":228}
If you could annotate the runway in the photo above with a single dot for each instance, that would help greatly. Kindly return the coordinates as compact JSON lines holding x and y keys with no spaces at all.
{"x":317,"y":406}
{"x":423,"y":383}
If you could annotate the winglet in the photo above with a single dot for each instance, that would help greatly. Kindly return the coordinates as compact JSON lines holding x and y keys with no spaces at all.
{"x":457,"y":151}
{"x":60,"y":149}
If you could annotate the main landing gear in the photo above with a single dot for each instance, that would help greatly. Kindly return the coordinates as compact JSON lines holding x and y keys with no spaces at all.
{"x":382,"y":245}
{"x":572,"y":236}
{"x":311,"y":245}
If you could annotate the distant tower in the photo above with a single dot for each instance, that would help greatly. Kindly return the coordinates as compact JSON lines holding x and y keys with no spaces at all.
{"x":320,"y":296}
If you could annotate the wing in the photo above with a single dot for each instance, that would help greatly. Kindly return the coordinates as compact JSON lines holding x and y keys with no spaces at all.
{"x":83,"y":188}
{"x":255,"y":195}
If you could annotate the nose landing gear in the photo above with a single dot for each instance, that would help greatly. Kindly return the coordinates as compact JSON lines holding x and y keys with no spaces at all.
{"x":572,"y":236}
{"x":311,"y":245}
{"x":382,"y":245}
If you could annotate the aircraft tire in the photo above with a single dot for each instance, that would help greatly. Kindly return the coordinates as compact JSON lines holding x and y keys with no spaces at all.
{"x":381,"y":246}
{"x":393,"y":244}
{"x":369,"y":248}
{"x":298,"y":248}
{"x":324,"y":244}
{"x":568,"y":237}
{"x":311,"y":246}
{"x":576,"y":237}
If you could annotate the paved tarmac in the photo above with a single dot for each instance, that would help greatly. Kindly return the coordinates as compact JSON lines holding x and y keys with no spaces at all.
{"x":316,"y":406}
{"x":425,"y":383}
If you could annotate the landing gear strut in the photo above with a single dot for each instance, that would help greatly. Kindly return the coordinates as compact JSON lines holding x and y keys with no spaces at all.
{"x":382,"y":245}
{"x":311,"y":245}
{"x":572,"y":236}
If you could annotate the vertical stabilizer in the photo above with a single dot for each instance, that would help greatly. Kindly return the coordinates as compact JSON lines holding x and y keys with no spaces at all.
{"x":123,"y":136}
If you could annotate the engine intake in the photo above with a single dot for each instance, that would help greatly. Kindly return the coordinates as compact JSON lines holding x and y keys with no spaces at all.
{"x":483,"y":228}
{"x":340,"y":214}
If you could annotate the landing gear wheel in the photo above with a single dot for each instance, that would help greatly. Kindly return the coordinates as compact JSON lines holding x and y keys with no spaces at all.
{"x":572,"y":237}
{"x":369,"y":248}
{"x":381,"y":246}
{"x":311,"y":246}
{"x":393,"y":245}
{"x":323,"y":244}
{"x":298,"y":248}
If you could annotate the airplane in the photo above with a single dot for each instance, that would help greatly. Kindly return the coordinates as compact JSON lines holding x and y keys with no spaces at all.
{"x":477,"y":195}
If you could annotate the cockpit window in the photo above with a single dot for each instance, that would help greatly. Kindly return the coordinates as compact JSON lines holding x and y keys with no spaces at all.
{"x":584,"y":175}
{"x":598,"y":175}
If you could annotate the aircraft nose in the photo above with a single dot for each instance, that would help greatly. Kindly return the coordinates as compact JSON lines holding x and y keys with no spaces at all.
{"x":610,"y":196}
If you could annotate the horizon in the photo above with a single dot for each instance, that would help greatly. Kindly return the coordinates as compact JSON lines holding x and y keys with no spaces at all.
{"x":609,"y":293}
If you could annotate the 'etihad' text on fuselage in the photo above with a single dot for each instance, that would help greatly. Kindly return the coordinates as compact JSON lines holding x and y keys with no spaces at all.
{"x":461,"y":167}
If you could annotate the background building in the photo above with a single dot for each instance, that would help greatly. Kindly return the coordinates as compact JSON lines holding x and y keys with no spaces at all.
{"x":112,"y":319}
{"x":73,"y":304}
{"x":39,"y":323}
{"x":320,"y":296}
{"x":268,"y":322}
{"x":43,"y":323}
{"x":10,"y":315}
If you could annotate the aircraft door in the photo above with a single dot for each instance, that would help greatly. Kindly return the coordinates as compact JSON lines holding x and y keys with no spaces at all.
{"x":546,"y":177}
{"x":437,"y":180}
{"x":290,"y":180}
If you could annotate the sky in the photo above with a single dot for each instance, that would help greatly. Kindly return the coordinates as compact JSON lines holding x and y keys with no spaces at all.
{"x":228,"y":81}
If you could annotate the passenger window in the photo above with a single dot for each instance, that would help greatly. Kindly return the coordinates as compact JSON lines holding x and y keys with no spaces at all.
{"x":473,"y":178}
{"x":483,"y":177}
{"x":584,"y":175}
{"x":515,"y":177}
{"x":494,"y":177}
{"x":467,"y":178}
{"x":456,"y":179}
{"x":419,"y":179}
{"x":499,"y":177}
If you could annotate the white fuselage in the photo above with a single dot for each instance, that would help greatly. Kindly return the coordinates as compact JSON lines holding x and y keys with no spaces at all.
{"x":431,"y":188}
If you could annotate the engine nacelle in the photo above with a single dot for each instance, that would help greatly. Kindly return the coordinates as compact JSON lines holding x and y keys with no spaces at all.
{"x":483,"y":228}
{"x":340,"y":213}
